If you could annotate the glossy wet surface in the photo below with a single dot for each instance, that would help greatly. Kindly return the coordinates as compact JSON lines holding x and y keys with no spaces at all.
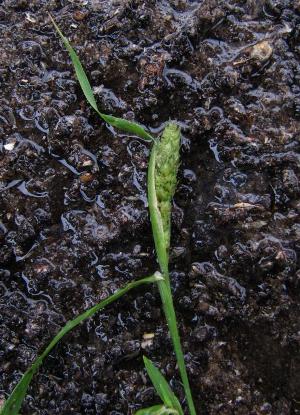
{"x":74,"y":222}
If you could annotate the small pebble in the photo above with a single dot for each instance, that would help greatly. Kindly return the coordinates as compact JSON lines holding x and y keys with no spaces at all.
{"x":79,"y":15}
{"x":262,"y":51}
{"x":86,"y":178}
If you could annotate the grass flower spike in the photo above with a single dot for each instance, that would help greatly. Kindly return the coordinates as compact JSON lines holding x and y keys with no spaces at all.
{"x":166,"y":167}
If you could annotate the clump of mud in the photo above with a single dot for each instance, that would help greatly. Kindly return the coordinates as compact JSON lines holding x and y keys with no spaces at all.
{"x":74,"y":223}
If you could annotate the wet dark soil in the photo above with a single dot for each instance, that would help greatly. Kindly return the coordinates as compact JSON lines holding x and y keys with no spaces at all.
{"x":74,"y":221}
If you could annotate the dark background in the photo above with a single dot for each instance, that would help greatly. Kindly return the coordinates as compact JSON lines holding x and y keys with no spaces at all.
{"x":74,"y":222}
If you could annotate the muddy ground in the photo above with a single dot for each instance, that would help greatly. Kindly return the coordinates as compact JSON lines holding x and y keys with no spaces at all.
{"x":74,"y":221}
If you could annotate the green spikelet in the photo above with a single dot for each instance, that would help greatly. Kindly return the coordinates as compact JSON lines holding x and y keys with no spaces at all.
{"x":166,"y":167}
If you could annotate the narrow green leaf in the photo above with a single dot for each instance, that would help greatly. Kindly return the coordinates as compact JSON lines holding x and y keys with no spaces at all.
{"x":122,"y":124}
{"x":128,"y":126}
{"x":14,"y":402}
{"x":162,"y":387}
{"x":157,"y":410}
{"x":81,"y":75}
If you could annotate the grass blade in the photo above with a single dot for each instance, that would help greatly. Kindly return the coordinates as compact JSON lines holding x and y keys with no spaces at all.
{"x":81,"y":75}
{"x":127,"y":126}
{"x":14,"y":402}
{"x":162,"y":387}
{"x":161,"y":231}
{"x":122,"y":124}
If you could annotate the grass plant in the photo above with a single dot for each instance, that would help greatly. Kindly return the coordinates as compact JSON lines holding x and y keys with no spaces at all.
{"x":162,"y":180}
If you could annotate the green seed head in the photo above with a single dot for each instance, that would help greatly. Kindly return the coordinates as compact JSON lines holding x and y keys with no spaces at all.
{"x":166,"y":167}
